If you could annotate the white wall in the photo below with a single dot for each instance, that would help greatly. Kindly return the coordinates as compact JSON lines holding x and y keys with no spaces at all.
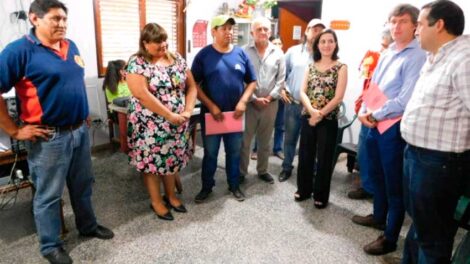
{"x":205,"y":10}
{"x":12,"y":29}
{"x":364,"y":34}
{"x":81,"y":29}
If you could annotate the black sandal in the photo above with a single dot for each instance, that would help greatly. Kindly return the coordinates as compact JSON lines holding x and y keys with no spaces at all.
{"x":300,"y":198}
{"x":319,"y":205}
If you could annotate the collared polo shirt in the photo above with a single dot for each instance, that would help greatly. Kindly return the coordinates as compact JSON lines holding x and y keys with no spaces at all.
{"x":50,"y":85}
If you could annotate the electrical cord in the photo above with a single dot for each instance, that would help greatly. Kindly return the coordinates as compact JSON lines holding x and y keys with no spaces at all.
{"x":5,"y":200}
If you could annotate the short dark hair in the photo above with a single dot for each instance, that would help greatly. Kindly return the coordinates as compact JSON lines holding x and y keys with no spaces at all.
{"x":402,"y":9}
{"x":316,"y":50}
{"x":449,"y":12}
{"x":271,"y":38}
{"x":152,"y":32}
{"x":42,"y":7}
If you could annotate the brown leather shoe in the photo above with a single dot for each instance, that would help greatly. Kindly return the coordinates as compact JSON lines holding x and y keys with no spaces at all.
{"x":359,"y":194}
{"x":368,"y":221}
{"x":381,"y":246}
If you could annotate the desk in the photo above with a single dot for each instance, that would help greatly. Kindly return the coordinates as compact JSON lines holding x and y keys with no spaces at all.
{"x":122,"y":119}
{"x":8,"y":157}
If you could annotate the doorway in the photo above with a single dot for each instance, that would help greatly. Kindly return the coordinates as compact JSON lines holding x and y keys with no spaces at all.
{"x":295,"y":15}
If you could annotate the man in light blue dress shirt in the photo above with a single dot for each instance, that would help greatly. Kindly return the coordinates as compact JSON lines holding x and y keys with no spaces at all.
{"x":395,"y":75}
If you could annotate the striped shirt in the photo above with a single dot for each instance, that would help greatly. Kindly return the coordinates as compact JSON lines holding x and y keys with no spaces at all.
{"x":438,"y":114}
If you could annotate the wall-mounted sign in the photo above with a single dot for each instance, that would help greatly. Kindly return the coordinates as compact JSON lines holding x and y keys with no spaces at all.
{"x":340,"y":24}
{"x":200,"y":33}
{"x":297,"y":33}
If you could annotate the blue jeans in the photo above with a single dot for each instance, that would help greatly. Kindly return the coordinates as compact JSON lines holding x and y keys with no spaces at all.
{"x":64,"y":159}
{"x":386,"y":172}
{"x":363,"y":159}
{"x":278,"y":130}
{"x":293,"y":121}
{"x":232,"y":145}
{"x":433,"y":182}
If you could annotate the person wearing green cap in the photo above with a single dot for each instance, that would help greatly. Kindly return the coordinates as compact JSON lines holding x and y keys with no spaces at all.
{"x":226,"y":80}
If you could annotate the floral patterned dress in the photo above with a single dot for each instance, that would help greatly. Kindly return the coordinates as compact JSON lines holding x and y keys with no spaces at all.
{"x":157,"y":146}
{"x":321,"y":87}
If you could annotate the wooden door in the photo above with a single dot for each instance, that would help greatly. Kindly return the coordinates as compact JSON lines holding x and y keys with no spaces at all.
{"x":296,"y":13}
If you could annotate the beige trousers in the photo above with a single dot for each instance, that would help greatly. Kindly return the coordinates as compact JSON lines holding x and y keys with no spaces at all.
{"x":260,"y":123}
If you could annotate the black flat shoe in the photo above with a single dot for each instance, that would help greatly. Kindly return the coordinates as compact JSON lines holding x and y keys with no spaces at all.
{"x":168,"y":216}
{"x":300,"y":198}
{"x":319,"y":205}
{"x":58,"y":256}
{"x":179,"y":209}
{"x":100,"y":232}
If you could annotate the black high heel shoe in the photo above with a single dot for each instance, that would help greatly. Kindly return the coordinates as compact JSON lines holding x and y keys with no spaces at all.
{"x":168,"y":216}
{"x":179,"y":209}
{"x":300,"y":198}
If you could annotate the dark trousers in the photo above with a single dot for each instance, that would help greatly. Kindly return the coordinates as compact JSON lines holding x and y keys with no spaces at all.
{"x":385,"y":168}
{"x":433,"y":183}
{"x":316,"y":142}
{"x":363,"y":159}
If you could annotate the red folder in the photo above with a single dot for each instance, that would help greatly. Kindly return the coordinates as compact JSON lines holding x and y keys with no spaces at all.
{"x":228,"y":125}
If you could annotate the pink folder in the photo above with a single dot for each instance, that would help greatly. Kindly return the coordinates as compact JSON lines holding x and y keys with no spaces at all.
{"x":228,"y":125}
{"x":374,"y":99}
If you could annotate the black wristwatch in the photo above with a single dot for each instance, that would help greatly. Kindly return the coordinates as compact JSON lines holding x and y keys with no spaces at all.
{"x":372,"y":118}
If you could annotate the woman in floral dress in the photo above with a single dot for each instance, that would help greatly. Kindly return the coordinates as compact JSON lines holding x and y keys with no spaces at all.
{"x":163,"y":97}
{"x":322,"y":92}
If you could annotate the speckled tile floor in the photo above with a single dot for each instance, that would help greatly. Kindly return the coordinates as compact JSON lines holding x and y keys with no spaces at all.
{"x":268,"y":227}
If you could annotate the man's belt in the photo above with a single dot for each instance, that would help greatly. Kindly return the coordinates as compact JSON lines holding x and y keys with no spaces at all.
{"x":64,"y":128}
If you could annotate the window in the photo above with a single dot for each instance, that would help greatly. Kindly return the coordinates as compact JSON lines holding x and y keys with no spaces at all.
{"x":118,"y":24}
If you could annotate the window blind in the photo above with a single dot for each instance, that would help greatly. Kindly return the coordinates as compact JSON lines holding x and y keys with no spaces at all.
{"x":120,"y":29}
{"x":164,"y":13}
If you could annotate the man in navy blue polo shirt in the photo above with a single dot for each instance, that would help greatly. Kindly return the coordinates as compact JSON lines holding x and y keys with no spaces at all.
{"x":47,"y":72}
{"x":222,"y":70}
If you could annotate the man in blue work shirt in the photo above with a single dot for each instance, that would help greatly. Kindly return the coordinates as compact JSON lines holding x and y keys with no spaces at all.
{"x":47,"y":72}
{"x":395,"y":75}
{"x":222,"y":70}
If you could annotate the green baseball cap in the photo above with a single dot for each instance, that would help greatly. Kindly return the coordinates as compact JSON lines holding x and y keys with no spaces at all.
{"x":222,"y":20}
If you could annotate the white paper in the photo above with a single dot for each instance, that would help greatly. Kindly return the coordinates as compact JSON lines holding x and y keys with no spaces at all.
{"x":297,"y":33}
